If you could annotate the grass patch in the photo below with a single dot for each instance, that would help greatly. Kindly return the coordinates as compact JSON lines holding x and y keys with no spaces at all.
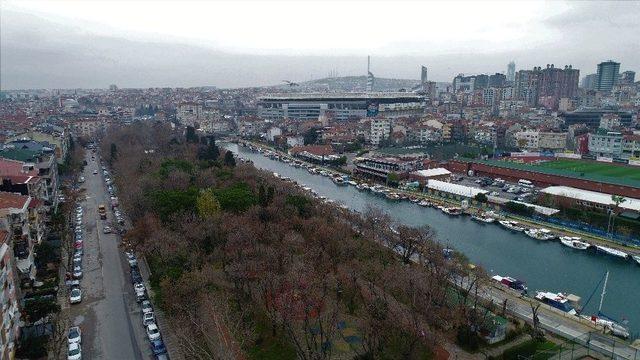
{"x":268,"y":347}
{"x":595,"y":168}
{"x":532,"y":349}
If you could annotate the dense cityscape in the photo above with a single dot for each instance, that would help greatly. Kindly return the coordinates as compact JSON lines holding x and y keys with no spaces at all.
{"x":493,"y":215}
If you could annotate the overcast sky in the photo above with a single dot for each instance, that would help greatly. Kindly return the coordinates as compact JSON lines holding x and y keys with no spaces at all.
{"x":67,"y":44}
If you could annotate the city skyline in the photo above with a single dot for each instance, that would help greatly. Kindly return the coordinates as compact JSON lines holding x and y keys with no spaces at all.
{"x":69,"y":45}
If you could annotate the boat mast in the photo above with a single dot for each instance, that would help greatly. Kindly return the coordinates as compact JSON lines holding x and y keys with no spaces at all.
{"x":604,"y":291}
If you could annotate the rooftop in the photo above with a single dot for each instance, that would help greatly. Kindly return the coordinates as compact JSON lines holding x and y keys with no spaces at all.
{"x":13,"y":201}
{"x":592,"y":196}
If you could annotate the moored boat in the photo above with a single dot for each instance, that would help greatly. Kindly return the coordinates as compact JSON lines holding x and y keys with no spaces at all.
{"x":483,"y":218}
{"x":636,"y":258}
{"x":424,"y":203}
{"x":540,"y":234}
{"x":454,"y":211}
{"x":511,"y":225}
{"x":559,"y":301}
{"x":511,"y":282}
{"x":612,"y":251}
{"x":574,"y":242}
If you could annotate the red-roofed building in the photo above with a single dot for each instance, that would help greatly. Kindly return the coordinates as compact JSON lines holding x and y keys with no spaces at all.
{"x":15,"y":167}
{"x":314,"y":152}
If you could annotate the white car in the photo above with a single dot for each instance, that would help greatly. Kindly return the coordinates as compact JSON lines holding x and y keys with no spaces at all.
{"x":75,"y":335}
{"x":148,"y":319}
{"x":75,"y":352}
{"x":132,"y":259}
{"x":146,"y":307}
{"x":139,"y":287}
{"x":153,"y":333}
{"x":75,"y":296}
{"x":95,"y":172}
{"x":77,"y":272}
{"x":106,"y":230}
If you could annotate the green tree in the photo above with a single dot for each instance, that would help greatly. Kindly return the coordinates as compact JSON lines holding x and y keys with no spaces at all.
{"x":191,"y":136}
{"x":310,"y":136}
{"x":236,"y":198}
{"x":265,"y":195}
{"x":114,"y":151}
{"x":392,"y":178}
{"x":342,"y":161}
{"x":207,"y":204}
{"x":210,"y":152}
{"x":229,"y":160}
{"x":481,"y":197}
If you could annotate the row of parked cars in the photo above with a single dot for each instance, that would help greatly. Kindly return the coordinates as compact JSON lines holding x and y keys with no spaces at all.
{"x":73,"y":282}
{"x":148,"y":315}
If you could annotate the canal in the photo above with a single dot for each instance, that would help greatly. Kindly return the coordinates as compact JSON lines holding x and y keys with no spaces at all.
{"x":543,"y":265}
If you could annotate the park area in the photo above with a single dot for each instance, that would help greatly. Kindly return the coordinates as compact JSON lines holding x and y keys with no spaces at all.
{"x":594,"y":168}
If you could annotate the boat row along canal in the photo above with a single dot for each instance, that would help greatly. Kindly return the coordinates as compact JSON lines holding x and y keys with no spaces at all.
{"x":547,"y":266}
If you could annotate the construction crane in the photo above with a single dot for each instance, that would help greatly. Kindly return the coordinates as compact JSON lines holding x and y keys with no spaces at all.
{"x":290,"y":83}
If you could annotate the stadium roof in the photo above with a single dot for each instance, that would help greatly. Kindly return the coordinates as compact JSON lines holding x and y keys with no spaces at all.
{"x":560,"y":172}
{"x":343,"y":96}
{"x":591,"y":196}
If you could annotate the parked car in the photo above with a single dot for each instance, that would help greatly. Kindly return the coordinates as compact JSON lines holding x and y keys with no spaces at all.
{"x":75,"y":296}
{"x":135,"y":276}
{"x":141,"y":296}
{"x":132,"y":259}
{"x":106,"y":230}
{"x":95,"y":172}
{"x":153,"y":333}
{"x":75,"y":335}
{"x":139,"y":287}
{"x":146,"y":307}
{"x":75,"y":352}
{"x":148,"y":318}
{"x":157,"y":346}
{"x":77,"y":272}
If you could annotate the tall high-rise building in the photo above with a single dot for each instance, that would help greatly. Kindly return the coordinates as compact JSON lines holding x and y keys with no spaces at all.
{"x":589,"y":82}
{"x":511,"y":72}
{"x":607,"y":75}
{"x":370,"y":78}
{"x":423,"y":77}
{"x":627,"y":78}
{"x":497,"y":80}
{"x":546,"y":86}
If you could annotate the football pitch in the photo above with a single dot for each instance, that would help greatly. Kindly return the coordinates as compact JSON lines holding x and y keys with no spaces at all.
{"x":594,"y":168}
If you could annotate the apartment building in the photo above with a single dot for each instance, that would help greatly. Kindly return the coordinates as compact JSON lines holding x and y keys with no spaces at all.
{"x":380,"y":130}
{"x":9,"y":295}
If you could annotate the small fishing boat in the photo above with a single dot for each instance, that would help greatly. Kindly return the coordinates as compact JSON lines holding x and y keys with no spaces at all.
{"x":540,"y":234}
{"x":424,"y":203}
{"x":393,"y":196}
{"x":483,"y":218}
{"x":454,"y":211}
{"x":574,"y":242}
{"x":338,"y":180}
{"x":636,"y":258}
{"x":511,"y":282}
{"x":352,"y":183}
{"x":511,"y":225}
{"x":612,"y":251}
{"x":559,"y":301}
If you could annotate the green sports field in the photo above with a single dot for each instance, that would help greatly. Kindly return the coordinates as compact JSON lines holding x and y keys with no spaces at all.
{"x":594,"y":168}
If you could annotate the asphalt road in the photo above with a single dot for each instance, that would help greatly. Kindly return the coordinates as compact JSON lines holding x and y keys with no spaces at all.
{"x":109,"y":317}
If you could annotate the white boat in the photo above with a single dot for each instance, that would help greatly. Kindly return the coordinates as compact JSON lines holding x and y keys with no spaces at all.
{"x":483,"y":218}
{"x":612,"y":251}
{"x":424,"y":203}
{"x":454,"y":211}
{"x":540,"y":234}
{"x":338,"y":180}
{"x":559,"y":301}
{"x":511,"y":225}
{"x":352,"y":183}
{"x":393,"y":196}
{"x":574,"y":242}
{"x":636,"y":258}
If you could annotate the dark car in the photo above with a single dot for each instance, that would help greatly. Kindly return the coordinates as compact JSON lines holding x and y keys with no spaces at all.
{"x":135,"y":276}
{"x":157,"y":346}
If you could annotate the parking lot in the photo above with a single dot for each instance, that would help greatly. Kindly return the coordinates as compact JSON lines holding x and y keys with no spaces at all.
{"x":498,"y":188}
